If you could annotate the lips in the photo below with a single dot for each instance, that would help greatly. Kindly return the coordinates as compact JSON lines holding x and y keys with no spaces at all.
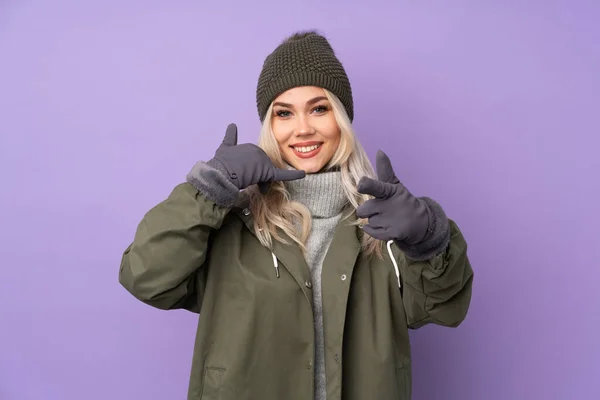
{"x":307,"y":149}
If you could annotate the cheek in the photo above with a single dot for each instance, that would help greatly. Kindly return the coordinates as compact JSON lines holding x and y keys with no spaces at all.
{"x":328,"y":127}
{"x":282,"y":135}
{"x":332,"y":131}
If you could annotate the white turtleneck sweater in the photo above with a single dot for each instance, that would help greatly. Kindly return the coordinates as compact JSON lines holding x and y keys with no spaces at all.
{"x":323,"y":195}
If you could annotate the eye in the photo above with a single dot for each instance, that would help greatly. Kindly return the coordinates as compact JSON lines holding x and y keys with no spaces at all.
{"x":321,"y":109}
{"x":283,"y":113}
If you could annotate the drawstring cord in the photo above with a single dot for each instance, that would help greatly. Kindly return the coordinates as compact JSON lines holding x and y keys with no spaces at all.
{"x":389,"y":247}
{"x":275,"y":264}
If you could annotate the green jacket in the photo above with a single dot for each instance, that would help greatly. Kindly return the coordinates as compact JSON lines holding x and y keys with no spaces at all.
{"x":255,"y":335}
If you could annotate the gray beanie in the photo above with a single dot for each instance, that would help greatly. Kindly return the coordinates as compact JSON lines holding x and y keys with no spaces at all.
{"x":303,"y":59}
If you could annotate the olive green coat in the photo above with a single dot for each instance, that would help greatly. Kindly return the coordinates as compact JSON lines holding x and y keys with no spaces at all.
{"x":255,"y":335}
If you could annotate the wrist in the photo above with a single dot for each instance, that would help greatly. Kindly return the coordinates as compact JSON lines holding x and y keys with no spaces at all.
{"x":213,"y":183}
{"x":436,"y":237}
{"x":428,"y":223}
{"x":422,"y":224}
{"x":219,"y":166}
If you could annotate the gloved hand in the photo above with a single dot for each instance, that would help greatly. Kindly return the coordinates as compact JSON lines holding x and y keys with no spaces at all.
{"x":247,"y":164}
{"x":394,"y":213}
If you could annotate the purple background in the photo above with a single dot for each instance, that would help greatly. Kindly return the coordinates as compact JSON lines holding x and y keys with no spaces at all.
{"x":489,"y":107}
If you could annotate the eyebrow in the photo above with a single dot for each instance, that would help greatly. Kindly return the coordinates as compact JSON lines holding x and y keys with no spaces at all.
{"x":310,"y":102}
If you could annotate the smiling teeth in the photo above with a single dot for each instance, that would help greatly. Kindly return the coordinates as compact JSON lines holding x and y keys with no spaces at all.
{"x":306,"y":149}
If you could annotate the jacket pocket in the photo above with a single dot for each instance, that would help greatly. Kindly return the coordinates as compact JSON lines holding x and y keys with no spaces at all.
{"x":404,"y":377}
{"x":213,"y":377}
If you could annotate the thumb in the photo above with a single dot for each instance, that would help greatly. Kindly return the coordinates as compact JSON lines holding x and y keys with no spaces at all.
{"x":373,"y":187}
{"x":287,"y":175}
{"x":385,"y":171}
{"x":230,"y":136}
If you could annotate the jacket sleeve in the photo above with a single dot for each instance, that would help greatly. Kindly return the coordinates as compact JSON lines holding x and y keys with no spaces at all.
{"x":162,"y":267}
{"x":437,"y":278}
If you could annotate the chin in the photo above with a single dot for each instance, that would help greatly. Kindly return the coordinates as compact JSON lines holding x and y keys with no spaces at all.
{"x":310,"y":167}
{"x":312,"y":170}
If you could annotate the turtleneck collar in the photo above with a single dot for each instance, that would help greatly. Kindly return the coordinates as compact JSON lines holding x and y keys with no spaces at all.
{"x":322,"y":193}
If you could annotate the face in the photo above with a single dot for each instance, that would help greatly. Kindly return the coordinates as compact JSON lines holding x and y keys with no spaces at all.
{"x":305,"y":128}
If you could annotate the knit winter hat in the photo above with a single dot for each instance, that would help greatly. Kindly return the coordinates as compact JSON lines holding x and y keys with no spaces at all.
{"x":303,"y":59}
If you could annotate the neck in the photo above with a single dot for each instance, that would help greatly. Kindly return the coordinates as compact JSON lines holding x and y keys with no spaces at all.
{"x":322,"y":193}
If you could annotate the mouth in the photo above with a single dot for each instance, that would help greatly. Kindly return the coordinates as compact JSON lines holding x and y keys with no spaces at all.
{"x":307,"y":150}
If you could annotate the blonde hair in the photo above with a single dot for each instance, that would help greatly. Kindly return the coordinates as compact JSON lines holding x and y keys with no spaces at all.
{"x":275,"y":210}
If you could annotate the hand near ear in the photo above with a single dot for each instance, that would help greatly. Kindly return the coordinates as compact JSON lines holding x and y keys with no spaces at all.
{"x":247,"y":164}
{"x":394,"y":213}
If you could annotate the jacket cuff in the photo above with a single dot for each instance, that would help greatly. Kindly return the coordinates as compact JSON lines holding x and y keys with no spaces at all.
{"x":437,"y":238}
{"x":213,"y":184}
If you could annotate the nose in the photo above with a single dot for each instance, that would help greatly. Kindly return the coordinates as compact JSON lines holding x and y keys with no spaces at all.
{"x":303,"y":126}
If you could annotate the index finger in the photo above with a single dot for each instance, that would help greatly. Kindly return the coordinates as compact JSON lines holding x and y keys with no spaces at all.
{"x":288,"y":175}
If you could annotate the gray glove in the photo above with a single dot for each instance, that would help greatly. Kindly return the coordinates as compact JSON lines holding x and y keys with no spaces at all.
{"x":394,"y":213}
{"x":247,"y":164}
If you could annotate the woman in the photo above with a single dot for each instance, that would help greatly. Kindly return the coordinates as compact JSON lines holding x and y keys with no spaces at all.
{"x":306,"y":269}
